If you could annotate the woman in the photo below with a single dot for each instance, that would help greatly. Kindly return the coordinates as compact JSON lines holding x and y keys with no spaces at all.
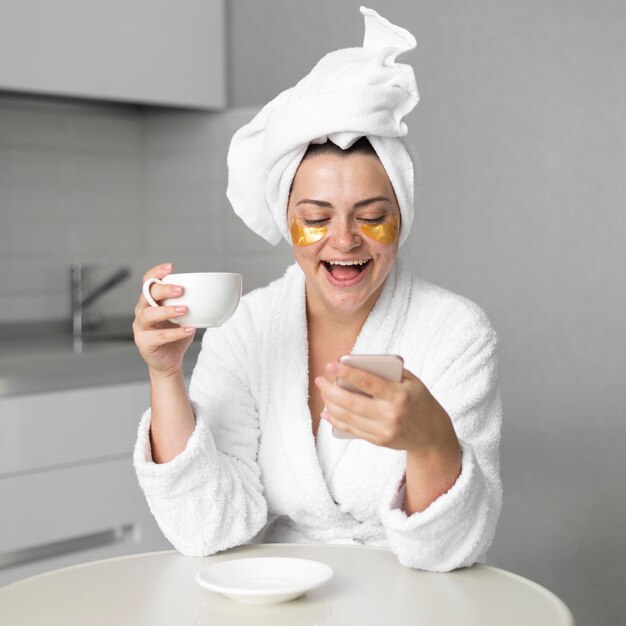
{"x":248,"y":455}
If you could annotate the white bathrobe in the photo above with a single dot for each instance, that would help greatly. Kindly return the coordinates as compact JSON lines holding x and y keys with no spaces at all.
{"x":252,"y":470}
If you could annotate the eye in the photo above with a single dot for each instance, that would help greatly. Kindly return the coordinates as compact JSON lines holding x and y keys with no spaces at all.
{"x":317,"y":222}
{"x":372,"y":220}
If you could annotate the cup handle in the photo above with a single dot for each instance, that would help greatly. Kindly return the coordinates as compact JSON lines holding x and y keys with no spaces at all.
{"x":146,"y":290}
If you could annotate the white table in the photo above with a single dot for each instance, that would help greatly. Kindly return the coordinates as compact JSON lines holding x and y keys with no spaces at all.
{"x":369,"y":587}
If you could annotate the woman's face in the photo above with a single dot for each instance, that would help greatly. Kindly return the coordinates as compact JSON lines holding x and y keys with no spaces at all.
{"x":342,"y":209}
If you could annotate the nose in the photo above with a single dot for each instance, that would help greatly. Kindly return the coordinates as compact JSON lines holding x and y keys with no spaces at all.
{"x":345,"y":235}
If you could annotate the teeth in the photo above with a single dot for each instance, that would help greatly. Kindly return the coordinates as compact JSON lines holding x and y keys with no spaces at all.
{"x":356,"y":262}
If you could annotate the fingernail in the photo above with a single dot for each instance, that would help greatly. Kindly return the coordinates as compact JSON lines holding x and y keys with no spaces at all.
{"x":180,"y":309}
{"x":166,"y":266}
{"x":189,"y":329}
{"x":325,"y":414}
{"x":318,"y":380}
{"x":333,"y":368}
{"x":177,"y":290}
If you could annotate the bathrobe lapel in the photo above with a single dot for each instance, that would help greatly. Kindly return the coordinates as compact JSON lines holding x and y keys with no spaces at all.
{"x":288,"y":405}
{"x":382,"y":333}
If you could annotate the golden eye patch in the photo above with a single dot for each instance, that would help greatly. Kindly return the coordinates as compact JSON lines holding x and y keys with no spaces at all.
{"x":306,"y":235}
{"x":383,"y":233}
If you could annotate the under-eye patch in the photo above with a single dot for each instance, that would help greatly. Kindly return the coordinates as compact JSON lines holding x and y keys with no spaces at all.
{"x":306,"y":235}
{"x":383,"y":233}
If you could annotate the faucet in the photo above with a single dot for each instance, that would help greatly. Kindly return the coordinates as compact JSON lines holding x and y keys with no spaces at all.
{"x":82,"y":299}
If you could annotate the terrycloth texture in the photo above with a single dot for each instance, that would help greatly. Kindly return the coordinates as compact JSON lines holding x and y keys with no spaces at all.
{"x":349,"y":93}
{"x":251,"y":471}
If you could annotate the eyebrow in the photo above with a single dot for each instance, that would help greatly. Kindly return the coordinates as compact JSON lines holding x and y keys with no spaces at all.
{"x":357,"y":205}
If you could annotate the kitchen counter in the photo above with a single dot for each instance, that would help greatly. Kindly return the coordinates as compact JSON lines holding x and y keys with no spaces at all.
{"x":38,"y":357}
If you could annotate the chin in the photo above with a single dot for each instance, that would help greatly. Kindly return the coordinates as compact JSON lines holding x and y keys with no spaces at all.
{"x":349,"y":302}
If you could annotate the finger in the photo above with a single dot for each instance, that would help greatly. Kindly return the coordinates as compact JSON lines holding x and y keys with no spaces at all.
{"x":153,"y":315}
{"x":158,"y":271}
{"x":151,"y":339}
{"x":161,"y":292}
{"x":374,"y":431}
{"x":366,"y":382}
{"x":406,"y":375}
{"x":410,"y":387}
{"x":352,"y":429}
{"x":349,"y":418}
{"x":348,"y":400}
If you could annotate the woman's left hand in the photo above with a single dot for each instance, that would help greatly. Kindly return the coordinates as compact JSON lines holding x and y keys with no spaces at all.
{"x":403,"y":416}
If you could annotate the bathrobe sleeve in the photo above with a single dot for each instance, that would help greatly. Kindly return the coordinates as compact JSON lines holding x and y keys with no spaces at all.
{"x":210,"y":497}
{"x":457,"y":528}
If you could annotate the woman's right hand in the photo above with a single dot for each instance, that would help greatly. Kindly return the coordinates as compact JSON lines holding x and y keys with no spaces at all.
{"x":161,"y":343}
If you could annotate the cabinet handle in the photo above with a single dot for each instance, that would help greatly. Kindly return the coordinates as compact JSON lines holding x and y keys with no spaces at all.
{"x":117,"y":535}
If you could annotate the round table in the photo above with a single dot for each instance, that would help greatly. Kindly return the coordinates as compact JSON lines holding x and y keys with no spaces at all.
{"x":369,"y":586}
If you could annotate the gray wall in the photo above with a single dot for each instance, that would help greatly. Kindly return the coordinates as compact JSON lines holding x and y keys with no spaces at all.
{"x":80,"y":181}
{"x":522,"y":136}
{"x":70,"y":190}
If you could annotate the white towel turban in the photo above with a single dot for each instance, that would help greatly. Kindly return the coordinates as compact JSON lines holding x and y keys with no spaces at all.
{"x":350,"y":93}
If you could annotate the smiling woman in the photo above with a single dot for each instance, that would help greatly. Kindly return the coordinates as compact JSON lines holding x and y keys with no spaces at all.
{"x":249,"y":454}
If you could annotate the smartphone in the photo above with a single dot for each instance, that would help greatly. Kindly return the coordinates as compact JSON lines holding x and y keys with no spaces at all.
{"x":389,"y":366}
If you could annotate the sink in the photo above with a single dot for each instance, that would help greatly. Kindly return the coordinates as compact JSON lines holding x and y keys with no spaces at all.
{"x":107,"y":335}
{"x":110,"y":329}
{"x":56,"y":336}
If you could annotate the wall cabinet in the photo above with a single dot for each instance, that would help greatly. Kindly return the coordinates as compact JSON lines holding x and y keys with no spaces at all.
{"x":155,"y":52}
{"x":68,"y":491}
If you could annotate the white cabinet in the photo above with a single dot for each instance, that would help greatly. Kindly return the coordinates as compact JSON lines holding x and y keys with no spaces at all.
{"x":141,"y":51}
{"x":68,"y":491}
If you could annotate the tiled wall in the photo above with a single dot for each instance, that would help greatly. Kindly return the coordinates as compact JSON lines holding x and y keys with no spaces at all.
{"x":81,"y":181}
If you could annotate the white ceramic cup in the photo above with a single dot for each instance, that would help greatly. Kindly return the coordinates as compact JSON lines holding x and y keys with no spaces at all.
{"x":210,"y":297}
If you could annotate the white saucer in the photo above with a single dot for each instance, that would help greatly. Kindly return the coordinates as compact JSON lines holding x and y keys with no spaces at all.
{"x":264,"y":580}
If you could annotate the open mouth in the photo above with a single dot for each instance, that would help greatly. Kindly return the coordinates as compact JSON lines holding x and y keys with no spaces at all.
{"x":346,"y":271}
